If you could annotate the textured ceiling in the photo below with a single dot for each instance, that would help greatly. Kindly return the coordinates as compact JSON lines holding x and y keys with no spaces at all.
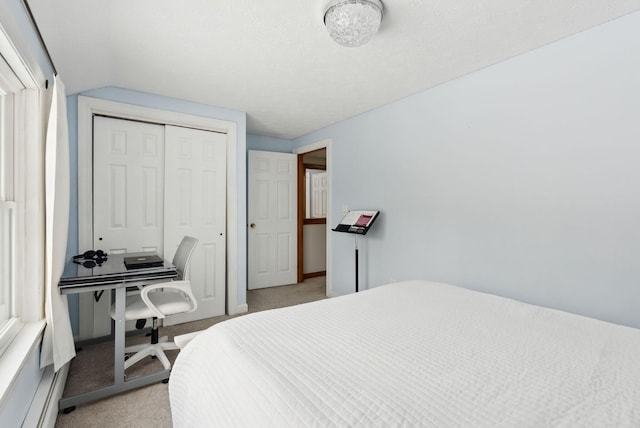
{"x":274,"y":59}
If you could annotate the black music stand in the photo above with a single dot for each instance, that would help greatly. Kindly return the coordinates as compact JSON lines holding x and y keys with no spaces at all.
{"x":358,"y":223}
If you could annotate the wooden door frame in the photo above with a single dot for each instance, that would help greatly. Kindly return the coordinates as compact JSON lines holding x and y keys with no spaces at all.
{"x":302,"y":214}
{"x":324,"y":144}
{"x":87,"y":108}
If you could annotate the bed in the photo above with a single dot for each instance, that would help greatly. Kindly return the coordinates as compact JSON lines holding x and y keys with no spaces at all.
{"x":409,"y":354}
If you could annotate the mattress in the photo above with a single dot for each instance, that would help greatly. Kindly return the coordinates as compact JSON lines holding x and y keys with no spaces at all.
{"x":409,"y":354}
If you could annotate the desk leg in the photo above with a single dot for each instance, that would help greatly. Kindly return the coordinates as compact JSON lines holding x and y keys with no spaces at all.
{"x":119,"y":383}
{"x":118,"y":353}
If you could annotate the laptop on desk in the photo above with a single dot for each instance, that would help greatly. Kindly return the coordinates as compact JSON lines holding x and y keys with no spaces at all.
{"x":143,"y":261}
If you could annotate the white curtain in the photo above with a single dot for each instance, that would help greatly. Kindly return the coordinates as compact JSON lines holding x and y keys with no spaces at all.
{"x":57,"y":345}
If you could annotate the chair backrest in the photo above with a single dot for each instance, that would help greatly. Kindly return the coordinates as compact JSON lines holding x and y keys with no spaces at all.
{"x":182,"y":258}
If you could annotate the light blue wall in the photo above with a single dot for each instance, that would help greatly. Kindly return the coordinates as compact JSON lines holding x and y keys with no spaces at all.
{"x":521,"y":179}
{"x":268,"y":144}
{"x":169,"y":104}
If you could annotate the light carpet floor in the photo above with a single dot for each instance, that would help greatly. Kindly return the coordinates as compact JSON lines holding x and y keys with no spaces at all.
{"x":149,"y":406}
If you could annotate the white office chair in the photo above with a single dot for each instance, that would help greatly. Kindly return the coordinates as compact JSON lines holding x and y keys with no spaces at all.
{"x":159,"y":300}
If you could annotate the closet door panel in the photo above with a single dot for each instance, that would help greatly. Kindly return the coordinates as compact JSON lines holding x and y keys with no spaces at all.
{"x":128,"y":186}
{"x":128,"y":196}
{"x":195,"y":205}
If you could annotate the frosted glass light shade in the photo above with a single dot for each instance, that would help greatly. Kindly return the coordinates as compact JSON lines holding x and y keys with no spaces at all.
{"x":353,"y":22}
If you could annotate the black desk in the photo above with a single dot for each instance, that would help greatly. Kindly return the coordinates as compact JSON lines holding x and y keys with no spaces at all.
{"x":113,"y":275}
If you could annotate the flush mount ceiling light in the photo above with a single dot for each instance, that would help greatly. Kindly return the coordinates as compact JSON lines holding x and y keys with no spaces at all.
{"x":353,"y":22}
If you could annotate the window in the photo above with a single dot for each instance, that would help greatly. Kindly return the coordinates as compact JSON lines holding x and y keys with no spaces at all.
{"x":9,"y":85}
{"x":316,"y":193}
{"x":21,"y":176}
{"x":6,"y":262}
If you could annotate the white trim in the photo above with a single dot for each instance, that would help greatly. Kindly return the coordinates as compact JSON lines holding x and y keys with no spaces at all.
{"x":8,"y":332}
{"x":239,"y":309}
{"x":88,"y":106}
{"x":324,"y":144}
{"x":313,"y":147}
{"x":44,"y":407}
{"x":33,"y":186}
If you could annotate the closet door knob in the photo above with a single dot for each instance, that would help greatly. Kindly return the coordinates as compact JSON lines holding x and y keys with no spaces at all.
{"x":252,"y":225}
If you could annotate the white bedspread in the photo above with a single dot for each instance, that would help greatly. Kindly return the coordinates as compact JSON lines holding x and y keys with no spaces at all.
{"x":411,"y":354}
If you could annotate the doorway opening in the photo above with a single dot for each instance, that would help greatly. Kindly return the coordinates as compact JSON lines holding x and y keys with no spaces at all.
{"x":314,"y":212}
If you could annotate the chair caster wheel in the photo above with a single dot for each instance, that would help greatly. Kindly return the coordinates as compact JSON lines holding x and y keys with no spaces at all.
{"x":165,"y":380}
{"x":68,"y":410}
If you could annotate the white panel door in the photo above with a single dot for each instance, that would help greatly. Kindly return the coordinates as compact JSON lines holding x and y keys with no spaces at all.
{"x":273,"y":219}
{"x":128,"y":189}
{"x":195,"y":205}
{"x":128,"y":186}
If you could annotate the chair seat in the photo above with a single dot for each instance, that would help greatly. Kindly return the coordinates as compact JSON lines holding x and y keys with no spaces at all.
{"x":167,"y":303}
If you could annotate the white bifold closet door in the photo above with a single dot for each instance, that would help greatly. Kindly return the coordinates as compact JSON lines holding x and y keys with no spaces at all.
{"x":152,"y":185}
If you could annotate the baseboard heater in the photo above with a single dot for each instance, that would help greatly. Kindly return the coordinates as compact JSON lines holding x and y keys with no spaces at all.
{"x":44,"y":407}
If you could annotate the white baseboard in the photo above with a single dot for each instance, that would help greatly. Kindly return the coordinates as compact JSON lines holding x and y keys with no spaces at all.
{"x":239,"y":309}
{"x":44,"y":407}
